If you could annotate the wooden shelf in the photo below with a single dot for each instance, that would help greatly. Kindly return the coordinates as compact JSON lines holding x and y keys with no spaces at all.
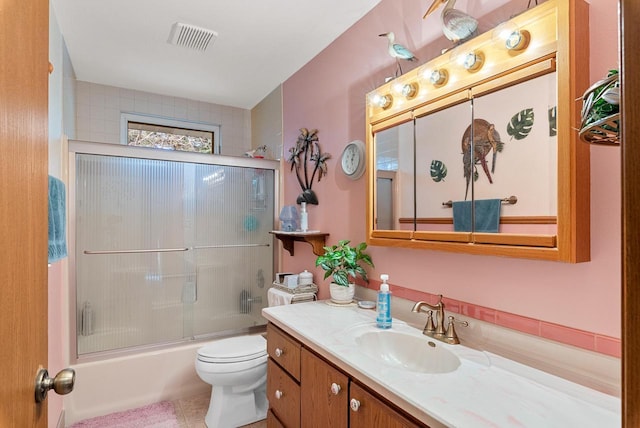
{"x":316,"y":239}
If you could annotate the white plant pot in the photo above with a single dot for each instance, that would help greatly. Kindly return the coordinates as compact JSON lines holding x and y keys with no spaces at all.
{"x":340,"y":294}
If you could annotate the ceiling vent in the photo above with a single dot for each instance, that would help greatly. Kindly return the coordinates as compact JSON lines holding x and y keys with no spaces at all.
{"x":190,"y":36}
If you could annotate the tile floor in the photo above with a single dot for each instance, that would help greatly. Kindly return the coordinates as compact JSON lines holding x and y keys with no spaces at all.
{"x":191,"y":412}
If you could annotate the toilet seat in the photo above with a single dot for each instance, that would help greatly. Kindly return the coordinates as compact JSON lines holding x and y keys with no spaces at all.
{"x":234,"y":350}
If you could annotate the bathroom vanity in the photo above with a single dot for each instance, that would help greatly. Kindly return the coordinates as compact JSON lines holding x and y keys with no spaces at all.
{"x":330,"y":366}
{"x":306,"y":390}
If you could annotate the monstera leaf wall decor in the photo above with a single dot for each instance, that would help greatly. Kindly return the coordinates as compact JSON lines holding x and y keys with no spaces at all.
{"x":438,"y":171}
{"x":307,"y":150}
{"x":521,"y":124}
{"x":553,"y":127}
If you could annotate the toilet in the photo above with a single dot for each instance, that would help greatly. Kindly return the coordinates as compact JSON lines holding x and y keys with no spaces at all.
{"x":236,"y":368}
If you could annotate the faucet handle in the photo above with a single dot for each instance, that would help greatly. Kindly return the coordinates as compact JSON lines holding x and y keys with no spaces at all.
{"x":451,"y":336}
{"x":429,"y":327}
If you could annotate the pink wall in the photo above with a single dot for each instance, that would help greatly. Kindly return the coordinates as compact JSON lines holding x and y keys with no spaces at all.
{"x":328,"y":93}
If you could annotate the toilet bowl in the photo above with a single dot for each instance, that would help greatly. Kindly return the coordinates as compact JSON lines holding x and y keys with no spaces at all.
{"x":236,"y":368}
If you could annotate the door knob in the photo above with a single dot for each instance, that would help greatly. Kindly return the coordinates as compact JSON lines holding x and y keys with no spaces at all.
{"x":62,"y":384}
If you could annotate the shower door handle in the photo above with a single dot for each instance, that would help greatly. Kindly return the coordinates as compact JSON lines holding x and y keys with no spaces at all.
{"x":62,"y":383}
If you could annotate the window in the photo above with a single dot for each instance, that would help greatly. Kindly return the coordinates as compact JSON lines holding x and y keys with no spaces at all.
{"x":147,"y":131}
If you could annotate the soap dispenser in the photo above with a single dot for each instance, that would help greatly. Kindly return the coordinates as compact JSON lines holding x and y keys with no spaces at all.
{"x":383,"y":320}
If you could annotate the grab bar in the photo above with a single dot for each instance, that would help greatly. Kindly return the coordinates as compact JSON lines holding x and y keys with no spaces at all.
{"x":203,"y":247}
{"x":154,"y":250}
{"x":510,"y":200}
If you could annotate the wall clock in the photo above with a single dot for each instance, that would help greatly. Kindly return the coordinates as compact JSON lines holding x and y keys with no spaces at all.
{"x":353,"y":159}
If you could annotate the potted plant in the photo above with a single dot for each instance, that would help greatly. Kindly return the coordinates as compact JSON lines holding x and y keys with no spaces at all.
{"x":343,"y":261}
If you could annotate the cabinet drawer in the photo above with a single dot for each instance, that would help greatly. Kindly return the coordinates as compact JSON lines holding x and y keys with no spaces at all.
{"x":284,"y":350}
{"x":283,"y":394}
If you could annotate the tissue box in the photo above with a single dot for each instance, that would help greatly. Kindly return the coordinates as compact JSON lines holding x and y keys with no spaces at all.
{"x":291,"y":281}
{"x":280,"y":277}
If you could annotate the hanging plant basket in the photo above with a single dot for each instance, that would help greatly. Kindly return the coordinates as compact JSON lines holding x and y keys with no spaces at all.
{"x":601,"y":112}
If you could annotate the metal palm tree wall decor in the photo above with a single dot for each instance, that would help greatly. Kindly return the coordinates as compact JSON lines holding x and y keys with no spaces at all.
{"x":307,"y":150}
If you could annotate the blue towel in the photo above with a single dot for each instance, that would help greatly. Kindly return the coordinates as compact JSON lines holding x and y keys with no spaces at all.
{"x":487,"y":213}
{"x":57,"y":220}
{"x":462,"y":216}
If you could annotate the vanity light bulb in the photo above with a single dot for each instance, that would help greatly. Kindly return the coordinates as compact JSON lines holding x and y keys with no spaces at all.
{"x":382,"y":101}
{"x":509,"y":35}
{"x":409,"y":90}
{"x":469,"y":61}
{"x":438,"y":77}
{"x":472,"y":61}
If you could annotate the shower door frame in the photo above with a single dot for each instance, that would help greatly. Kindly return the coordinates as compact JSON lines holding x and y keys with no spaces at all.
{"x":106,"y":149}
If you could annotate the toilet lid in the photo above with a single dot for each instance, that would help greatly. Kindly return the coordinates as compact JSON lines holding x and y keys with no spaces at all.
{"x":234,"y":349}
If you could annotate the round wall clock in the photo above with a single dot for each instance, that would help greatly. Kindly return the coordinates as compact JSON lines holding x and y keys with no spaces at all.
{"x":353,"y":159}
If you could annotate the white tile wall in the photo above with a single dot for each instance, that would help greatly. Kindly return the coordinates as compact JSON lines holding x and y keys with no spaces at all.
{"x":99,"y":108}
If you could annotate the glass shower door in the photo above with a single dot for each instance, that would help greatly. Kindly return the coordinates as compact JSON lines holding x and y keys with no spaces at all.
{"x":166,"y":251}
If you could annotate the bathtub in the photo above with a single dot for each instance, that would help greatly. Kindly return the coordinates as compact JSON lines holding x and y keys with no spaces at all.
{"x":123,"y":382}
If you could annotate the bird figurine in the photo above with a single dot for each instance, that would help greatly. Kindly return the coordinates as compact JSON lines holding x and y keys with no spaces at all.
{"x":258,"y":152}
{"x":457,"y":26}
{"x":398,"y":51}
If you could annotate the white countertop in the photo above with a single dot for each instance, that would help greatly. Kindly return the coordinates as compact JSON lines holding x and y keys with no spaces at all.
{"x":485,"y":391}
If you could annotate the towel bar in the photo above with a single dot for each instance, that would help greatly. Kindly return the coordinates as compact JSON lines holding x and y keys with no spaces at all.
{"x":510,"y":200}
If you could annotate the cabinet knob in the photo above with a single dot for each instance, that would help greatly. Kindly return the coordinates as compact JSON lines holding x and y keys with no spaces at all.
{"x":279,"y":352}
{"x":355,"y":404}
{"x":335,"y":388}
{"x":278,"y":394}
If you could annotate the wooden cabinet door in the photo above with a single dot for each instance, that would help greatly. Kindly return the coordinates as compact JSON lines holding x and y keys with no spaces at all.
{"x":367,"y":411}
{"x":283,"y":394}
{"x":324,"y":396}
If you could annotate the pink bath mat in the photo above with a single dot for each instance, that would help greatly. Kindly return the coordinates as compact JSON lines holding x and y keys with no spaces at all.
{"x":158,"y":415}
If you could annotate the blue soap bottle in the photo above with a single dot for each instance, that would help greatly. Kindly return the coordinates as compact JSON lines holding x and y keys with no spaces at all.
{"x":383,"y":320}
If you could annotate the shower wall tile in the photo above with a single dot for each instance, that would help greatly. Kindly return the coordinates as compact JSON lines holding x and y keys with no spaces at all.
{"x":99,"y":108}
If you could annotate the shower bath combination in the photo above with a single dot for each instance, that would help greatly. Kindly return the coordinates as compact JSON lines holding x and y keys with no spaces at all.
{"x":167,"y":246}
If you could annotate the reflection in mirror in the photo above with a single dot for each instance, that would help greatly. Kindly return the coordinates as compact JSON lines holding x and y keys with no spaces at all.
{"x":522,"y":159}
{"x":394,"y":195}
{"x":440,"y":171}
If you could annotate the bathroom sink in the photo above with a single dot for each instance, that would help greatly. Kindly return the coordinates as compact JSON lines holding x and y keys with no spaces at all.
{"x":414,"y":353}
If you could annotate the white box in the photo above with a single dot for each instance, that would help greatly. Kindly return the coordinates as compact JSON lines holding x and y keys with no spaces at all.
{"x":280,"y":277}
{"x":291,"y":281}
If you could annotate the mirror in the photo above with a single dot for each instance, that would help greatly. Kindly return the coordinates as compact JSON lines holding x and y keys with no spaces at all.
{"x":485,"y":161}
{"x":395,"y":181}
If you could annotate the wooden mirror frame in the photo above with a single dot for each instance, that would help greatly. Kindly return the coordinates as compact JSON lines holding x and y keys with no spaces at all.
{"x":568,"y":54}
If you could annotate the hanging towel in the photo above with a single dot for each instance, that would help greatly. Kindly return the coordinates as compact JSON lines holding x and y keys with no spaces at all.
{"x":487,"y":213}
{"x":57,"y":220}
{"x":462,"y":216}
{"x":277,"y":297}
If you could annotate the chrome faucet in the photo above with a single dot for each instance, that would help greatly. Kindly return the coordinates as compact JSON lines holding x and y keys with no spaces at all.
{"x":432,"y":329}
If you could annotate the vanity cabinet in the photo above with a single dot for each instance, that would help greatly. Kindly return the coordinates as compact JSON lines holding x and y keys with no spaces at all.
{"x":489,"y":121}
{"x":324,"y":394}
{"x":368,"y":411}
{"x":304,"y":390}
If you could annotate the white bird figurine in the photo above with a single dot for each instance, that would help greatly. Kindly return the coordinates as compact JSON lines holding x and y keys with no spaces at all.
{"x":457,"y":26}
{"x":258,"y":152}
{"x":398,"y":51}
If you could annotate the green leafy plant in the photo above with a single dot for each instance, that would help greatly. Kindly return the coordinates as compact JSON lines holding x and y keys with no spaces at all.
{"x":597,"y":105}
{"x":343,"y":261}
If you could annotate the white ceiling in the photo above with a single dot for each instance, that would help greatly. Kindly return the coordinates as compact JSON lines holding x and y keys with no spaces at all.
{"x":260,"y":44}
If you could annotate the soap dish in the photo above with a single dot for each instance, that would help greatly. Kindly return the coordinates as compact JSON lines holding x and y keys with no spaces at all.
{"x":366,"y":304}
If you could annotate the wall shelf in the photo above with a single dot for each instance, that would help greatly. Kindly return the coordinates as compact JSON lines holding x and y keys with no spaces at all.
{"x":315,"y":239}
